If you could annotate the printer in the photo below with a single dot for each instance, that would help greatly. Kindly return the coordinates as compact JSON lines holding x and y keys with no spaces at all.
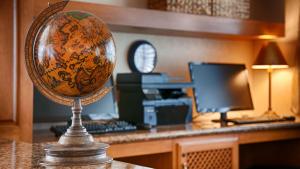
{"x":151,"y":99}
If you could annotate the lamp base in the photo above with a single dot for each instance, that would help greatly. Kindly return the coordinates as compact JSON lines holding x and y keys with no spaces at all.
{"x":270,"y":114}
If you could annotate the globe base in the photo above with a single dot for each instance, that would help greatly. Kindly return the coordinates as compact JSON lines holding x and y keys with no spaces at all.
{"x":76,"y":146}
{"x":62,"y":155}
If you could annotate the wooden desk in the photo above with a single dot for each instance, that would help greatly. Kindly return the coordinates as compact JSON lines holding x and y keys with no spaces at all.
{"x":168,"y":147}
{"x":252,"y":144}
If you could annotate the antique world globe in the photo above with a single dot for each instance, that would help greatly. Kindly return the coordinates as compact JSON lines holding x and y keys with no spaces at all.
{"x":73,"y":56}
{"x":69,"y":57}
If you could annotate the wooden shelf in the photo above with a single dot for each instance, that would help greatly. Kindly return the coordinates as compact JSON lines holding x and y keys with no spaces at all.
{"x":170,"y":23}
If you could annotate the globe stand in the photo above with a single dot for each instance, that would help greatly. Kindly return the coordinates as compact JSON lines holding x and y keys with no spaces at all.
{"x":76,"y":146}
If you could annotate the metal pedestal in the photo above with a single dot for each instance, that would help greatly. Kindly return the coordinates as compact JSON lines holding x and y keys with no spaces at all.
{"x":76,"y":146}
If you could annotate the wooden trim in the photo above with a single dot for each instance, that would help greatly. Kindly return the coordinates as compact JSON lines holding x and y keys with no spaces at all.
{"x":235,"y":156}
{"x":174,"y":156}
{"x":190,"y":145}
{"x":140,"y":148}
{"x":268,"y":135}
{"x":179,"y":159}
{"x":9,"y":131}
{"x":15,"y":60}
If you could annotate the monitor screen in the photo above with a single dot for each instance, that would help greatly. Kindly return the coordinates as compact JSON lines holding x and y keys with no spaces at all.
{"x":47,"y":111}
{"x":220,"y":87}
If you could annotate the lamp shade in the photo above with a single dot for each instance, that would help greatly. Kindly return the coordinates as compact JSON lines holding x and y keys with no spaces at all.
{"x":270,"y":57}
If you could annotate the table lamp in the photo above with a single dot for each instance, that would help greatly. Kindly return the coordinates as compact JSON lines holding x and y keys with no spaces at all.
{"x":270,"y":57}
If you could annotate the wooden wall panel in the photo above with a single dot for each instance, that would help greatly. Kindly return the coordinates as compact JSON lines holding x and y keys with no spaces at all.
{"x":6,"y":60}
{"x":25,"y":86}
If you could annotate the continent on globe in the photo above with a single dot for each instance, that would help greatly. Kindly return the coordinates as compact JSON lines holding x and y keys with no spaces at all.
{"x":74,"y":54}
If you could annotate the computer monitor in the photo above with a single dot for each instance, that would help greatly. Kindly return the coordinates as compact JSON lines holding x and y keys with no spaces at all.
{"x":220,"y":88}
{"x":47,"y":111}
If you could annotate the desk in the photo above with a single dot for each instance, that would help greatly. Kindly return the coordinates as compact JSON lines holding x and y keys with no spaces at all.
{"x":24,"y":155}
{"x":159,"y":148}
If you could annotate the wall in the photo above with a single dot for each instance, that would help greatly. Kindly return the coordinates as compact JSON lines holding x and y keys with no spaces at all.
{"x":289,"y":46}
{"x":175,"y":52}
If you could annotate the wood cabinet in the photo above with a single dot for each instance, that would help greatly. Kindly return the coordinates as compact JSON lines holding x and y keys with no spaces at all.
{"x":229,"y":150}
{"x":220,"y":152}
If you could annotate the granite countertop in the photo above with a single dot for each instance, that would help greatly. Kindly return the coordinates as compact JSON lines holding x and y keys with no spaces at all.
{"x":177,"y":131}
{"x":193,"y":129}
{"x":24,"y":155}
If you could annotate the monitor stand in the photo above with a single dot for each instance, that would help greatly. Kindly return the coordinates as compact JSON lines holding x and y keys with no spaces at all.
{"x":223,"y":119}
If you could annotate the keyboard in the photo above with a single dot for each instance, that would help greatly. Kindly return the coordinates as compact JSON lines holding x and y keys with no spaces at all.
{"x":98,"y":127}
{"x":261,"y":119}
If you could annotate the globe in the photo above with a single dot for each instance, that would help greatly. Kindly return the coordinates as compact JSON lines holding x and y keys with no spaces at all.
{"x":69,"y":57}
{"x":73,"y":55}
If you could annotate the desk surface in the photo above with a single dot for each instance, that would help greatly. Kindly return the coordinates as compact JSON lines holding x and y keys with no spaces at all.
{"x":177,"y":131}
{"x":190,"y":130}
{"x":24,"y":155}
{"x":162,"y":141}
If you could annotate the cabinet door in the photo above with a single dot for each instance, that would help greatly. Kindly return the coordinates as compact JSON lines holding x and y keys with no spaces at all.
{"x":6,"y":59}
{"x":208,"y":153}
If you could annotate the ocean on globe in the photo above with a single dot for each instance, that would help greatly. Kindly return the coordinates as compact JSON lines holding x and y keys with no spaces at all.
{"x":74,"y":54}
